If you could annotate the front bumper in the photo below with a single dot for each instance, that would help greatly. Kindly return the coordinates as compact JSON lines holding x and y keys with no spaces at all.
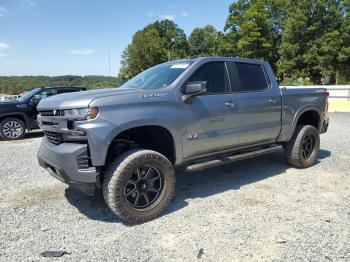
{"x":61,"y":161}
{"x":325,"y":126}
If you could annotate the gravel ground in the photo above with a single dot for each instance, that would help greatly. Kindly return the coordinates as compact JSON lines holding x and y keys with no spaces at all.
{"x":254,"y":210}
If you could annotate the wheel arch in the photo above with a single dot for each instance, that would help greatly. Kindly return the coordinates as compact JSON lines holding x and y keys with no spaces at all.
{"x":308,"y":115}
{"x":18,"y":115}
{"x":149,"y":136}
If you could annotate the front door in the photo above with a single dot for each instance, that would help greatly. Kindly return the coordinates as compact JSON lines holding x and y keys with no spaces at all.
{"x":216,"y":119}
{"x":34,"y":101}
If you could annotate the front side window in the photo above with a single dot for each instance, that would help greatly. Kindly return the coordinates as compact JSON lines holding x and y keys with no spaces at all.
{"x":215,"y":75}
{"x":47,"y":93}
{"x":252,"y":77}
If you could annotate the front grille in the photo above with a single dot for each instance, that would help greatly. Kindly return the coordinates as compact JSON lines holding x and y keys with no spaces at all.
{"x":50,"y":113}
{"x":53,"y":137}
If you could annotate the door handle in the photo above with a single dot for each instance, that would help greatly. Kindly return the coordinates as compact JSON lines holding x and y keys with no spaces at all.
{"x":273,"y":101}
{"x":230,"y":104}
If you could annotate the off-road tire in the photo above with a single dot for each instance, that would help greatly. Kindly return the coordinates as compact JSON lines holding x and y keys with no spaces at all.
{"x":18,"y":122}
{"x":294,"y":148}
{"x":118,"y":174}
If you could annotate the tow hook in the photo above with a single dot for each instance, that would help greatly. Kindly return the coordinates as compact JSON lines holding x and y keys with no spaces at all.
{"x":99,"y":181}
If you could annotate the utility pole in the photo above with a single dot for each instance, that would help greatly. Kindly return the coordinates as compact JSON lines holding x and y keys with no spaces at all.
{"x":109,"y":67}
{"x":171,"y":48}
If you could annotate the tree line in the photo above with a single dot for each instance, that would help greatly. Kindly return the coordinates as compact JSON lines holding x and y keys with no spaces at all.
{"x":305,"y":41}
{"x":18,"y":84}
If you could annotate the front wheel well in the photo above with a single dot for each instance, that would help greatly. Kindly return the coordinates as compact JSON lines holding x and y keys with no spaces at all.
{"x":155,"y":138}
{"x":310,"y":117}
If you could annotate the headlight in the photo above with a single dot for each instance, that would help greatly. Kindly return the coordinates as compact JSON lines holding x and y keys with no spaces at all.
{"x":81,"y":113}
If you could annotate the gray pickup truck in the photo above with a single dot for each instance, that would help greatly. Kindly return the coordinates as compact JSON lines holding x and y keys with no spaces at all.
{"x":189,"y":114}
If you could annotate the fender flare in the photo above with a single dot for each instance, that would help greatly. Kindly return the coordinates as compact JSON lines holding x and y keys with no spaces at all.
{"x":135,"y":124}
{"x":301,"y":111}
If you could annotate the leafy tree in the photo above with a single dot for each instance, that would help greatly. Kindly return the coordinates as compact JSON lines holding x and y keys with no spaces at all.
{"x":207,"y":41}
{"x":174,"y":39}
{"x":156,"y":43}
{"x":312,"y":39}
{"x":255,"y":28}
{"x":202,"y":41}
{"x":146,"y":50}
{"x":344,"y":53}
{"x":225,"y":45}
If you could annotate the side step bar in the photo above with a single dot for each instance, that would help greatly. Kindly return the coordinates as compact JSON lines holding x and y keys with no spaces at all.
{"x":233,"y":158}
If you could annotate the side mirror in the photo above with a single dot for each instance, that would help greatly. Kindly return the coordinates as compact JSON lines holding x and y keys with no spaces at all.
{"x":193,"y":89}
{"x":34,"y":101}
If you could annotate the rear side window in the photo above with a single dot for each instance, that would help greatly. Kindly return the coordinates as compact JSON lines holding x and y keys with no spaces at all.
{"x":252,"y":77}
{"x":215,"y":75}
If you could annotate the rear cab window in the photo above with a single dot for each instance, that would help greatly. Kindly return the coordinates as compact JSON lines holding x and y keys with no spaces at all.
{"x":249,"y":77}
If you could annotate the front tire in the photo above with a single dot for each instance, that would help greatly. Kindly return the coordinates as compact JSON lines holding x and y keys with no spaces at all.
{"x":139,"y":185}
{"x":302,"y":150}
{"x":12,"y":129}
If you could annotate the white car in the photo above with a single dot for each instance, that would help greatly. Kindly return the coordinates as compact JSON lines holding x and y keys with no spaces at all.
{"x":11,"y":97}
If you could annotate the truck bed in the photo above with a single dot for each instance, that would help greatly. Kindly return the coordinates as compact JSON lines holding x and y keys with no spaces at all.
{"x":294,"y":101}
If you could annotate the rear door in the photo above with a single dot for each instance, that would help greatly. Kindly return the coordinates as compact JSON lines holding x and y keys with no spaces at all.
{"x":215,"y":115}
{"x":260,"y":104}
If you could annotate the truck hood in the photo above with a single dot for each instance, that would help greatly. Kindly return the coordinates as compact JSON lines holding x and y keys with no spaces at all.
{"x":10,"y":106}
{"x":7,"y":101}
{"x":80,"y":99}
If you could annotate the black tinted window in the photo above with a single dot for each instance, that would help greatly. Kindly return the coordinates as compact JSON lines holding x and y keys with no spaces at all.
{"x":66,"y":90}
{"x":47,"y":93}
{"x":215,"y":75}
{"x":252,"y":77}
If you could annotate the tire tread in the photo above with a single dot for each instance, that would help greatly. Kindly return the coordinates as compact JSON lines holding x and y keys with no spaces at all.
{"x":9,"y":119}
{"x":113,"y":180}
{"x":293,"y":147}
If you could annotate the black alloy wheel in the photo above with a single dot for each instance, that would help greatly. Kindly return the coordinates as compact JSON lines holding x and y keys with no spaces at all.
{"x":143,"y":187}
{"x":303,"y":148}
{"x":139,"y":184}
{"x":308,"y":146}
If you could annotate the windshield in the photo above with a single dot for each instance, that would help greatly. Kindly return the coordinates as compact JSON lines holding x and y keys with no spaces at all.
{"x":158,"y":77}
{"x":28,"y":95}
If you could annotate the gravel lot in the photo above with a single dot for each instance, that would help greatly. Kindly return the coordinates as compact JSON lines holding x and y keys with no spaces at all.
{"x":254,"y":210}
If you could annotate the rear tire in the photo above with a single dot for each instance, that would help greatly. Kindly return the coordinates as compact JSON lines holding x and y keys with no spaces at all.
{"x":12,"y":129}
{"x":139,"y":185}
{"x":302,"y":150}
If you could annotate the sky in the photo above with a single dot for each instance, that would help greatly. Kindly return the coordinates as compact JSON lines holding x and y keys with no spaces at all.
{"x":60,"y":37}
